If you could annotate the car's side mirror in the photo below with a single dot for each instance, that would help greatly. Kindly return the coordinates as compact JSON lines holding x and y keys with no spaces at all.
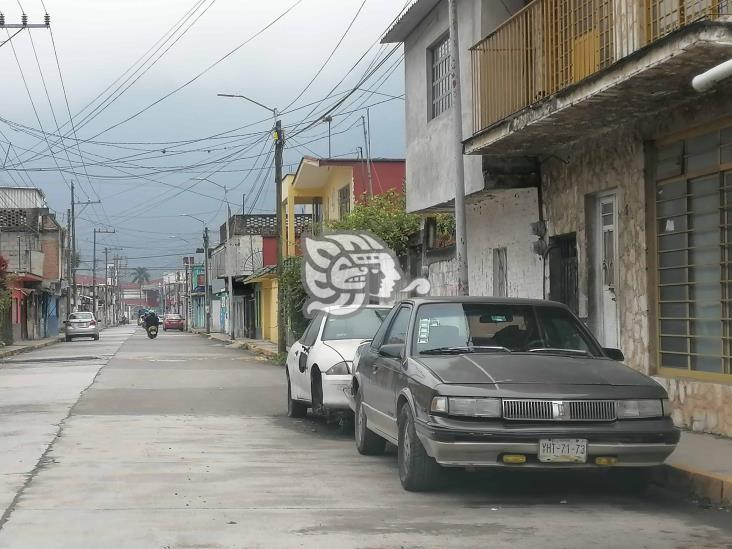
{"x":615,"y":354}
{"x":392,"y":350}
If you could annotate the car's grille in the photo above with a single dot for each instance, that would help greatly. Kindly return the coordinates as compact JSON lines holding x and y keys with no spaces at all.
{"x":559,"y":410}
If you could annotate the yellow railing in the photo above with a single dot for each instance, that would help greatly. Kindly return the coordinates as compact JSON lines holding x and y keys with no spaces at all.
{"x":551,"y":44}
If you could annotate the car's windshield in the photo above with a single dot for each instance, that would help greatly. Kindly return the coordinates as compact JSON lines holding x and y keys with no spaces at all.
{"x":360,"y":325}
{"x":517,"y":328}
{"x":81,"y":316}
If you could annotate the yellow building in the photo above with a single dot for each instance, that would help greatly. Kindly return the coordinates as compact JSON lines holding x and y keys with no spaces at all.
{"x":265,"y":302}
{"x":331,"y":187}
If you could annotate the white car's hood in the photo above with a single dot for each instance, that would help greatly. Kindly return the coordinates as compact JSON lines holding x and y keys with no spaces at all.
{"x":344,"y":347}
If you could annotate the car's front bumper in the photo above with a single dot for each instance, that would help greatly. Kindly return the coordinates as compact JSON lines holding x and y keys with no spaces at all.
{"x":335,"y":388}
{"x":633,"y":443}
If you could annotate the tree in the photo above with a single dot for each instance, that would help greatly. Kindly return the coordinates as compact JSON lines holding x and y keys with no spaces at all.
{"x":384,"y":215}
{"x":140,"y":276}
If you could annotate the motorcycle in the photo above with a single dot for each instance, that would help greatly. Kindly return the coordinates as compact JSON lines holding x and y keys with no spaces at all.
{"x":152,"y":332}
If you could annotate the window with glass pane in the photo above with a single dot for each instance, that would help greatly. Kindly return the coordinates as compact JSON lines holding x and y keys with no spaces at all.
{"x":441,"y":98}
{"x":693,"y":241}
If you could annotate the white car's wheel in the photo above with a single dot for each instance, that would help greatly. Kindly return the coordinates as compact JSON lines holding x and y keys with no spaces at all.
{"x":294,"y":408}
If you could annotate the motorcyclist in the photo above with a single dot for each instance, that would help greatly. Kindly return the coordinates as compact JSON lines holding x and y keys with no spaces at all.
{"x":150,"y":319}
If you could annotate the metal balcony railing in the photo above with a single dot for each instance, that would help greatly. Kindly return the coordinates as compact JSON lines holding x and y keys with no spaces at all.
{"x":552,"y":44}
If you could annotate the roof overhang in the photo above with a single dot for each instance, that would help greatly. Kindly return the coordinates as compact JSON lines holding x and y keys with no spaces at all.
{"x":650,"y":80}
{"x":409,"y":21}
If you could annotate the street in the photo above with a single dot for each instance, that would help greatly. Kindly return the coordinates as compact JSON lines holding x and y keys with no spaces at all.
{"x":180,"y":442}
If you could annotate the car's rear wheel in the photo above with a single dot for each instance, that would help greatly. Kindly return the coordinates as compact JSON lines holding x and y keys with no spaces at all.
{"x":368,"y":443}
{"x":96,"y":338}
{"x":294,"y":408}
{"x":68,"y":339}
{"x":418,"y":472}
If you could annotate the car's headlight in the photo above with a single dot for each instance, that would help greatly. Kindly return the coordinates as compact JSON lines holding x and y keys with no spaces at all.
{"x":638,"y":409}
{"x":466,"y":407}
{"x":340,"y":369}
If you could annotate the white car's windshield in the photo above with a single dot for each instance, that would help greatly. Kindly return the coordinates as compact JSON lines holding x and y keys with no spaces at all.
{"x":498,"y":327}
{"x":360,"y":325}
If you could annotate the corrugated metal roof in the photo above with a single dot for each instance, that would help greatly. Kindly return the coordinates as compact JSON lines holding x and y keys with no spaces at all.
{"x":407,"y":22}
{"x":22,"y":197}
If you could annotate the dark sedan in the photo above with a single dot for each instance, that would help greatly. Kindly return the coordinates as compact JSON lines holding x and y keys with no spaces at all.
{"x":487,"y":382}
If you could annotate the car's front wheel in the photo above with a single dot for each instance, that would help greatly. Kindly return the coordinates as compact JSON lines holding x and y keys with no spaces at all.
{"x":294,"y":408}
{"x":418,"y":472}
{"x":368,"y":443}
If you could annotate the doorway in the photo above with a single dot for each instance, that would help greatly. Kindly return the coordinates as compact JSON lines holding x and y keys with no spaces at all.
{"x":606,"y":269}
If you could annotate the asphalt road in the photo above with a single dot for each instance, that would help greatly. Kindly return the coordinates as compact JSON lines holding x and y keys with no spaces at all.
{"x":181,"y":442}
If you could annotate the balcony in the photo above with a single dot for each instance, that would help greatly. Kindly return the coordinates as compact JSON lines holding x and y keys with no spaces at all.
{"x":31,"y":262}
{"x":560,"y":69}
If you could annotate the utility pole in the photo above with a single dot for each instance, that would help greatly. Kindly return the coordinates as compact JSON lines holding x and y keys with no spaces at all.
{"x":72,"y":262}
{"x":229,"y":269}
{"x":74,"y":256}
{"x":68,"y":261}
{"x":329,"y":120}
{"x":94,"y":267}
{"x":279,"y":136}
{"x":106,"y":285}
{"x":279,"y":147}
{"x":207,"y":295}
{"x":366,"y":141}
{"x":461,"y":245}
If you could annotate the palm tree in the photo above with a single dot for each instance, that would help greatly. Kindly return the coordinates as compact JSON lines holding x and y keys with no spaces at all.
{"x":140,"y":276}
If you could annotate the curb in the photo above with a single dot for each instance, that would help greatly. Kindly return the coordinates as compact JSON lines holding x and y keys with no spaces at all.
{"x":243,"y":345}
{"x":715,"y":488}
{"x":28,"y":348}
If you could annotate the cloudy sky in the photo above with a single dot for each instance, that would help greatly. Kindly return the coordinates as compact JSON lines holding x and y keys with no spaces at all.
{"x":140,"y":145}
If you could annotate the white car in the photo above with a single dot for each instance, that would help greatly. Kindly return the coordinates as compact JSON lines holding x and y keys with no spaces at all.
{"x":319,"y":364}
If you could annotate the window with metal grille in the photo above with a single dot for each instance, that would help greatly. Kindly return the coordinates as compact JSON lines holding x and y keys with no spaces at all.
{"x":441,"y":98}
{"x":694,"y":253}
{"x":344,"y":201}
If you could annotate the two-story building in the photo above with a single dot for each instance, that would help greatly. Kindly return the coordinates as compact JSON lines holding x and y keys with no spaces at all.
{"x":33,"y":243}
{"x":499,"y":210}
{"x":589,"y":107}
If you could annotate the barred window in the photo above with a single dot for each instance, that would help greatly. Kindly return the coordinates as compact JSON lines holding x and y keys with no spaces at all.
{"x":694,"y":253}
{"x":344,"y":201}
{"x":441,"y":98}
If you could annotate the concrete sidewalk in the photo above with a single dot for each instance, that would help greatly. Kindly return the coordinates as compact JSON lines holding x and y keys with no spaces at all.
{"x":258,"y":346}
{"x":701,"y":466}
{"x":26,"y":346}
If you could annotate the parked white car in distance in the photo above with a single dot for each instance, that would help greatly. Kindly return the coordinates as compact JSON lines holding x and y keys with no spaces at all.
{"x":319,"y":364}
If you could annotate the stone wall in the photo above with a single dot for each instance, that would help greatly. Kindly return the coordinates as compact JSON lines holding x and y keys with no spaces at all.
{"x":569,"y":185}
{"x":700,"y":406}
{"x":615,"y":159}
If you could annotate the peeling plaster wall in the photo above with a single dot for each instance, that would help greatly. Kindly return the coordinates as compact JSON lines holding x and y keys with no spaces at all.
{"x":502,"y":220}
{"x":443,"y":277}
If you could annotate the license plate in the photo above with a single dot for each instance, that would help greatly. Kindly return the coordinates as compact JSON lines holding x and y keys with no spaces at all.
{"x":83,"y":324}
{"x":563,"y":450}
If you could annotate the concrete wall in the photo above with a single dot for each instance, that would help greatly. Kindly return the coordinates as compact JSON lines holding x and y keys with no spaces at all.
{"x":431,"y":163}
{"x":501,"y":220}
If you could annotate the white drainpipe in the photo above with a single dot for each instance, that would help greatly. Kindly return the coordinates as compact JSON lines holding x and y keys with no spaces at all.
{"x":707,"y":80}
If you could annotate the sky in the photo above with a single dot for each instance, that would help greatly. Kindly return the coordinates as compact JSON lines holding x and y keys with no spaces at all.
{"x":143,"y":151}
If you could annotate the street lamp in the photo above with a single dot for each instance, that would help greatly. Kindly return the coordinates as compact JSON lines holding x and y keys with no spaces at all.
{"x":229,"y":281}
{"x":207,"y":297}
{"x":279,"y":147}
